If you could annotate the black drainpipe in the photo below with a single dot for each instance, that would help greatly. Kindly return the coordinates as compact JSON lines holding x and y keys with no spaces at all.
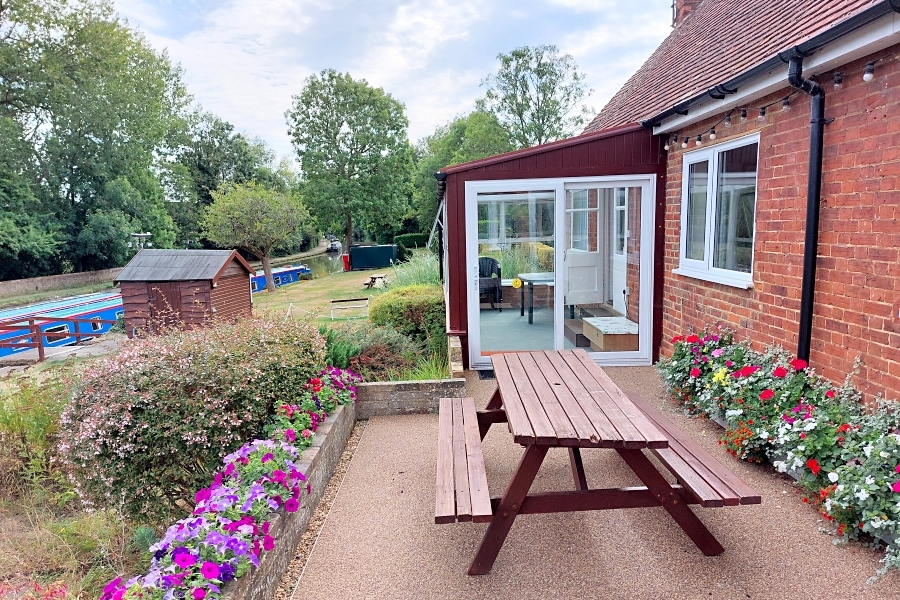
{"x":441,"y":188}
{"x":814,"y":190}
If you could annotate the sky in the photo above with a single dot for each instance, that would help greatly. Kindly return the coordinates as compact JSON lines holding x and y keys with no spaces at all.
{"x":243,"y":60}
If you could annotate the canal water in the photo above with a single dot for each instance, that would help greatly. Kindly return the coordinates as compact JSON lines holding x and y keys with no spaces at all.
{"x":323,"y":264}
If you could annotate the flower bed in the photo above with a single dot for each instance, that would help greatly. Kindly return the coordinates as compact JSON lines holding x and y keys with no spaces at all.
{"x":232,"y":525}
{"x":775,"y":408}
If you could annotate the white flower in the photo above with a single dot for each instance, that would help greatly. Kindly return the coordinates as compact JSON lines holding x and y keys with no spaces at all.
{"x":764,"y":434}
{"x":876,"y":524}
{"x":840,"y":487}
{"x":780,"y":466}
{"x":828,"y":504}
{"x":884,"y":454}
{"x":862,"y":495}
{"x":810,"y":425}
{"x":867,"y":450}
{"x":870,"y":480}
{"x":733,"y":413}
{"x":798,"y":462}
{"x":801,"y":447}
{"x":833,"y":477}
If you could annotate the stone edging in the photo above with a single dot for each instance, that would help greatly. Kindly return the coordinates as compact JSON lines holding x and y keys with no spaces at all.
{"x":405,"y":397}
{"x":318,"y":463}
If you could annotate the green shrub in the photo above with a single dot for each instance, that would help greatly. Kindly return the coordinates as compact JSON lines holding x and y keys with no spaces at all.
{"x":149,"y":426}
{"x":376,"y":353}
{"x":412,"y":240}
{"x":414,"y":310}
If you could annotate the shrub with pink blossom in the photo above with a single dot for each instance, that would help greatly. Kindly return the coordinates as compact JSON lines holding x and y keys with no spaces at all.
{"x":148,"y":426}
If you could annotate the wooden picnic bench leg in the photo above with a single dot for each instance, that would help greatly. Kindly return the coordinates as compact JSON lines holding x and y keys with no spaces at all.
{"x":671,"y":501}
{"x":577,"y":469}
{"x":493,"y":404}
{"x":507,"y":510}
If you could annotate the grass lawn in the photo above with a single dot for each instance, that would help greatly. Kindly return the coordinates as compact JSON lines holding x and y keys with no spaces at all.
{"x":311,"y":299}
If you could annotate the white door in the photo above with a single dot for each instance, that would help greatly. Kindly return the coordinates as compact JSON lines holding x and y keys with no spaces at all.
{"x":583,"y":274}
{"x":619,"y":278}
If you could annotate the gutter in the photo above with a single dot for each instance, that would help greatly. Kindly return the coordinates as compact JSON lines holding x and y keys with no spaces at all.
{"x":813,"y":200}
{"x":720,"y":91}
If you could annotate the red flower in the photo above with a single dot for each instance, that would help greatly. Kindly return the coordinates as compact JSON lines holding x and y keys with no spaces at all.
{"x":695,"y":372}
{"x":813,"y":466}
{"x":749,"y":370}
{"x":844,"y":427}
{"x":780,"y":372}
{"x":692,"y":339}
{"x":799,"y":364}
{"x":829,"y":394}
{"x":315,"y":381}
{"x":677,"y":339}
{"x":802,"y":435}
{"x":766,"y":394}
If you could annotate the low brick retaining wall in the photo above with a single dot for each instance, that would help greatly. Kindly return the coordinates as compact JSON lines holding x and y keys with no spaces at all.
{"x":18,"y":287}
{"x":405,"y":397}
{"x":318,"y":463}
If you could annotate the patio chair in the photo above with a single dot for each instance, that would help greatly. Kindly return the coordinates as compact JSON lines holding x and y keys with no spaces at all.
{"x":489,"y":280}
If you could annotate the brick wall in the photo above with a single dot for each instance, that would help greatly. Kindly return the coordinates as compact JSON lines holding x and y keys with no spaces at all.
{"x":858,"y":269}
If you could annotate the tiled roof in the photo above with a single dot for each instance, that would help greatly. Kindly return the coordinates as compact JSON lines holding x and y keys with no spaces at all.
{"x":719,"y":40}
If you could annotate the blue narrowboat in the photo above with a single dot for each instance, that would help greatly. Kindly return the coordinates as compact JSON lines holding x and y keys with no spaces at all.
{"x":103,"y":305}
{"x":281,"y":276}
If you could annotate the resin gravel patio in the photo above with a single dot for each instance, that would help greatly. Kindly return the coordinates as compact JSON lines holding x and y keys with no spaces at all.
{"x":380,"y":540}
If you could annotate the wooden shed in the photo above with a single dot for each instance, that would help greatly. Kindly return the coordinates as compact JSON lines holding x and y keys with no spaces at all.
{"x":190,"y":287}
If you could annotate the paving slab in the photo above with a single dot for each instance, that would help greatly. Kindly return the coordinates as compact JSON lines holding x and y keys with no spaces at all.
{"x":380,"y":540}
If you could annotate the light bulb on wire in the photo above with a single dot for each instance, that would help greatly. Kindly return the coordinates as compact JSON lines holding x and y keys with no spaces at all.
{"x":699,"y":139}
{"x":869,"y":75}
{"x":786,"y":104}
{"x":838,"y":81}
{"x":743,"y":115}
{"x":728,"y":120}
{"x":762,"y":114}
{"x":712,"y":133}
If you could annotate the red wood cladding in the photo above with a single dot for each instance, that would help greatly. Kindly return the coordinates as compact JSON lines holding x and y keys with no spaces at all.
{"x":627,"y":150}
{"x":231,"y":297}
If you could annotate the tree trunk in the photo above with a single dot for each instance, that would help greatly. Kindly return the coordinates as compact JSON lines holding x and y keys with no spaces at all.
{"x":348,"y":232}
{"x":267,"y":267}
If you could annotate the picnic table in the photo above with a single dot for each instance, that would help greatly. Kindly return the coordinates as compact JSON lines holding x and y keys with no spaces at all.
{"x":562,"y":399}
{"x":374,"y":280}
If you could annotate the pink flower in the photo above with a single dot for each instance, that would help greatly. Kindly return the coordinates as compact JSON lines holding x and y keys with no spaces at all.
{"x":896,"y":486}
{"x":198,"y":593}
{"x":201,"y":495}
{"x":718,"y":352}
{"x":268,"y":543}
{"x":766,"y":394}
{"x":829,"y":394}
{"x":802,"y":435}
{"x":267,"y":457}
{"x":897,"y":469}
{"x":695,"y":372}
{"x":184,"y":559}
{"x":306,"y":433}
{"x":291,"y":505}
{"x":780,"y":372}
{"x":788,"y":419}
{"x":728,"y":363}
{"x":210,"y":570}
{"x":290,"y":435}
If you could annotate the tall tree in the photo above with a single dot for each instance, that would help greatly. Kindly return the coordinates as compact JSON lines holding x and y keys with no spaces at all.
{"x":255,"y":219}
{"x":476,"y":135}
{"x":354,"y":155}
{"x":536,"y":95}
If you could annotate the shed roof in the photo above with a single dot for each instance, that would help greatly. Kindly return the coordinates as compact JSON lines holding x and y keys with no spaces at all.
{"x":719,"y":40}
{"x":180,"y":265}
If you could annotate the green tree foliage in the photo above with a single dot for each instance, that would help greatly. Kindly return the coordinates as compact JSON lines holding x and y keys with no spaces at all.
{"x":255,"y":219}
{"x":354,"y":154}
{"x":476,"y":135}
{"x":535,"y":94}
{"x":84,"y":101}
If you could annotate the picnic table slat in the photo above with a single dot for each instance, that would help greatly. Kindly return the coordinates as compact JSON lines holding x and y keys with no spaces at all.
{"x":546,"y":393}
{"x":655,"y":438}
{"x":460,"y":465}
{"x":478,"y":485}
{"x":517,"y":419}
{"x":445,"y":500}
{"x":582,"y":425}
{"x":540,"y":422}
{"x":632,"y":437}
{"x":695,"y":485}
{"x":609,"y":437}
{"x":722,"y":479}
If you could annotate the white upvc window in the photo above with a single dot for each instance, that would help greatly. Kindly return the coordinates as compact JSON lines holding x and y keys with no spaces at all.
{"x":718,"y":212}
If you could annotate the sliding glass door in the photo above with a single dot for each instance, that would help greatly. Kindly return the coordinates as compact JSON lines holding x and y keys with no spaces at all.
{"x":559,"y":264}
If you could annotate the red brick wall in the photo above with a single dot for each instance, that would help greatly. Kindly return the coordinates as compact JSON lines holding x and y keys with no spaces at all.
{"x":858,"y":272}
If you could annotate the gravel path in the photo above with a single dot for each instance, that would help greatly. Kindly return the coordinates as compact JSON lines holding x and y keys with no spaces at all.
{"x":291,"y":579}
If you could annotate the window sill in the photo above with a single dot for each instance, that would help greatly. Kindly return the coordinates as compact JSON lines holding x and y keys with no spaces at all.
{"x":744,"y":283}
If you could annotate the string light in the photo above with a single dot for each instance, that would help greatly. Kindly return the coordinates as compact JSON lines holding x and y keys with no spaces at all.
{"x":869,"y":75}
{"x":762,"y":114}
{"x":743,"y":115}
{"x":838,"y":81}
{"x":684,"y":142}
{"x":728,"y":120}
{"x":699,"y":139}
{"x":786,"y":104}
{"x":666,"y":147}
{"x":712,"y":133}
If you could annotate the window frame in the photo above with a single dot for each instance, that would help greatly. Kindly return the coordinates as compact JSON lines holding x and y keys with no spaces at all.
{"x":703,"y":269}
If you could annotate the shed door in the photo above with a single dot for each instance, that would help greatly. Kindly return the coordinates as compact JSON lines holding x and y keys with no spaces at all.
{"x":165,"y":304}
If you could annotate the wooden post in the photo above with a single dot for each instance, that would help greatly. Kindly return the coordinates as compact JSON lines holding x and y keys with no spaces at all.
{"x":36,"y":338}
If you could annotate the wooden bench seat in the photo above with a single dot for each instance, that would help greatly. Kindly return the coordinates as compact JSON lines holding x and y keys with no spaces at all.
{"x":707,"y":480}
{"x":350,"y":304}
{"x":462,"y":491}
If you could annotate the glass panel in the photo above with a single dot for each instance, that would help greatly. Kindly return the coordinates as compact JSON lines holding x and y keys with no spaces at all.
{"x":602,"y":283}
{"x":698,"y":182}
{"x":735,"y":206}
{"x":516,"y":240}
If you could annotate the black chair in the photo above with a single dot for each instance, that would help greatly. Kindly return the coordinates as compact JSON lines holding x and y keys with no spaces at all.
{"x":489,"y":280}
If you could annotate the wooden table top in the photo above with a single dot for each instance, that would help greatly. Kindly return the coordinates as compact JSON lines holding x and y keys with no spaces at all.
{"x":562,"y":398}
